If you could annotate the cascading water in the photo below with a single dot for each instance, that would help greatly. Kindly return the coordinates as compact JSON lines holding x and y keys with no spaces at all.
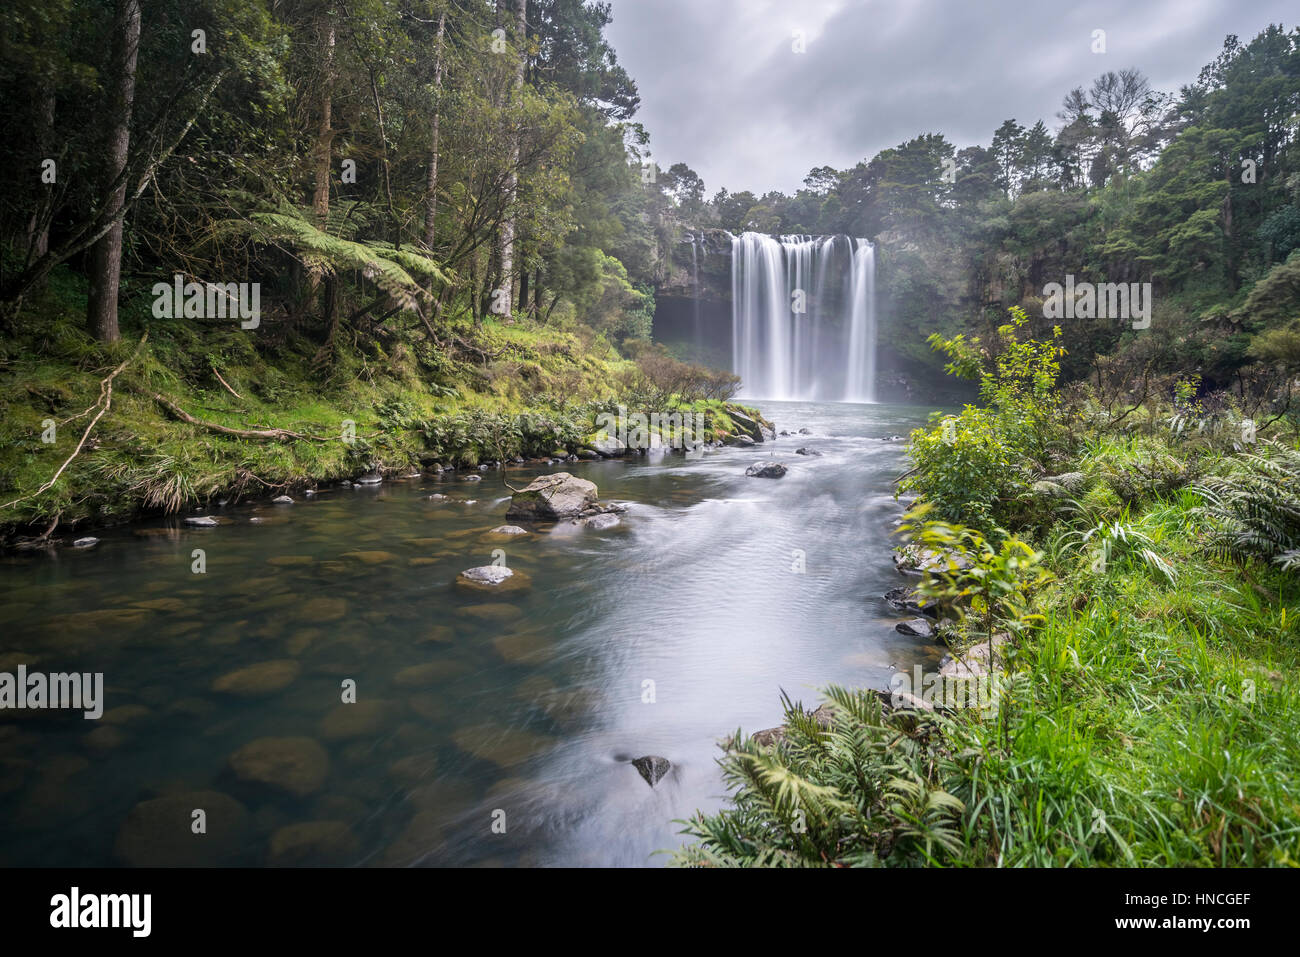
{"x":695,"y":295}
{"x":803,"y":317}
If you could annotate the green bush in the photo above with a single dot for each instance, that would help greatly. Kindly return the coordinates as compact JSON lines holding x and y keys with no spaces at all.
{"x":962,"y":466}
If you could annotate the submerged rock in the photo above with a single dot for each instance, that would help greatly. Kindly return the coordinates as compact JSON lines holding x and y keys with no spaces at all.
{"x":600,"y":522}
{"x":373,"y":557}
{"x":505,"y":747}
{"x":282,"y":500}
{"x":348,"y":722}
{"x":652,"y":768}
{"x":772,"y":470}
{"x":508,"y":530}
{"x":88,"y":542}
{"x":320,"y":610}
{"x":497,"y":611}
{"x":806,"y":451}
{"x":371,"y":478}
{"x":312,"y":842}
{"x":552,"y":497}
{"x":203,"y":521}
{"x":260,"y":679}
{"x":158,"y":833}
{"x":296,"y":765}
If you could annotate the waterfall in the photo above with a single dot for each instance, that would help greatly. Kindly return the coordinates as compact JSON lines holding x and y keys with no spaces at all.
{"x":695,"y":294}
{"x":803,"y":317}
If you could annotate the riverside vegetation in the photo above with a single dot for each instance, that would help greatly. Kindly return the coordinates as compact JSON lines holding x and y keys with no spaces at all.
{"x":1133,"y":559}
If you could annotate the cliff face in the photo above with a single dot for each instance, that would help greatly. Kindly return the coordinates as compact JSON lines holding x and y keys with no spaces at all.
{"x":699,"y":266}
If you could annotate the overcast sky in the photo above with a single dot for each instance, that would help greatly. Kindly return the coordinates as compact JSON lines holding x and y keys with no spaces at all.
{"x":723,"y":91}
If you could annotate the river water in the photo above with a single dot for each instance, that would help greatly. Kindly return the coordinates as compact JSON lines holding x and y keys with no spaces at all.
{"x":488,"y":729}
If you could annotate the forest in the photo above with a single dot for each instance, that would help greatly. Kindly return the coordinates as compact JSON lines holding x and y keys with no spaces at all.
{"x":273,"y":248}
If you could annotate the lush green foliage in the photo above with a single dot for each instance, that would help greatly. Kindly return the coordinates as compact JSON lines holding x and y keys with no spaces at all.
{"x":968,"y":465}
{"x":1147,"y":713}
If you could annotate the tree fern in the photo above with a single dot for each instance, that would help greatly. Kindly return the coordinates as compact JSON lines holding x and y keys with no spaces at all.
{"x":400,"y":273}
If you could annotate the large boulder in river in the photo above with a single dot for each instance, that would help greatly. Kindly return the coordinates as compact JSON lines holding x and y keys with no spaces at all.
{"x":551,"y":497}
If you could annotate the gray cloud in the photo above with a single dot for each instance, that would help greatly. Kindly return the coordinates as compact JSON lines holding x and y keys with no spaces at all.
{"x":723,"y":91}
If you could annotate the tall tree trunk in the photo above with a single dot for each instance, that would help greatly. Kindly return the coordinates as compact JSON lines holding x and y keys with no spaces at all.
{"x":431,"y":196}
{"x":506,"y":253}
{"x":106,"y":254}
{"x":324,"y":141}
{"x":38,"y":228}
{"x":320,"y":203}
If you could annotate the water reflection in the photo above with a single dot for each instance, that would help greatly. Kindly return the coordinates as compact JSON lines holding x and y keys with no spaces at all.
{"x":475,"y":712}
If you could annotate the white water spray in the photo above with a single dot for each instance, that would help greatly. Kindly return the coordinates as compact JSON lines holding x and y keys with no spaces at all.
{"x":803,"y":317}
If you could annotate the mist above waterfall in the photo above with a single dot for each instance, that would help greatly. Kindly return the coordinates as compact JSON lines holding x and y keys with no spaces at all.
{"x":804,"y":317}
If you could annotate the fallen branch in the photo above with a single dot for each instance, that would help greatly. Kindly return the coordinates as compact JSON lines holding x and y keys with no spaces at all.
{"x":226,"y":384}
{"x":906,"y":474}
{"x":106,"y":397}
{"x":277,"y":435}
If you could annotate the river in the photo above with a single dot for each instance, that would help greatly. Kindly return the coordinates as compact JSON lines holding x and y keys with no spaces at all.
{"x":488,"y":730}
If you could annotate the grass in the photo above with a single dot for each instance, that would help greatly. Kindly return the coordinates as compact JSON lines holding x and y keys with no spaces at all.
{"x":1152,"y":719}
{"x":514,"y":388}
